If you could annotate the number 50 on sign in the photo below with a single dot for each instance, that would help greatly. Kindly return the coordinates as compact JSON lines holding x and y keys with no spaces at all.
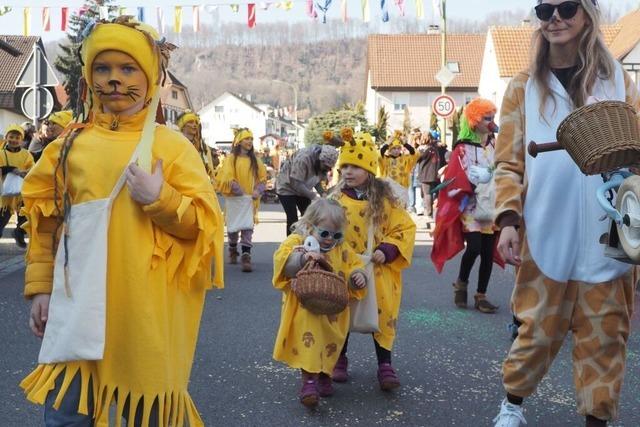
{"x":443,"y":106}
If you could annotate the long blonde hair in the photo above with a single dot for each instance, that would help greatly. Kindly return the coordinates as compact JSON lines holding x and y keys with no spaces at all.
{"x":594,"y":60}
{"x":377,"y":191}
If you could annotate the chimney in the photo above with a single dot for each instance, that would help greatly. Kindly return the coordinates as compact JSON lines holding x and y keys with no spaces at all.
{"x":433,"y":29}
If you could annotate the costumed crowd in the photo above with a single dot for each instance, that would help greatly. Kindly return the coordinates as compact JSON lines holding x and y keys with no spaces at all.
{"x":123,"y":244}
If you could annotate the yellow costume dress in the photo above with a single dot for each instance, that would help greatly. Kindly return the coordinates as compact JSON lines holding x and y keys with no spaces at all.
{"x":305,"y":340}
{"x":398,"y":168}
{"x":158,"y":269}
{"x":23,"y":161}
{"x":399,"y":230}
{"x":238,"y":168}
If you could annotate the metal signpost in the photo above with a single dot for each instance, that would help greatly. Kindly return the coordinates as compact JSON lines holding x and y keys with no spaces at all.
{"x":37,"y":74}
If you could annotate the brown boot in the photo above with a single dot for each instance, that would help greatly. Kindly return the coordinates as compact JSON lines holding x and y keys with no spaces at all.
{"x":460,"y":294}
{"x":233,"y":255}
{"x":245,"y":260}
{"x":483,"y":305}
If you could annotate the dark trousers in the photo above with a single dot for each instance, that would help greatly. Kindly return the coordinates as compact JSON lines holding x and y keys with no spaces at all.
{"x":291,"y":205}
{"x":382,"y":354}
{"x":5,"y":216}
{"x":482,"y":245}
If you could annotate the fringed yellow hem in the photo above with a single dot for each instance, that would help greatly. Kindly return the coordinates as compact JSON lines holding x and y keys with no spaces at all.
{"x":12,"y":203}
{"x":175,"y":408}
{"x":188,"y":260}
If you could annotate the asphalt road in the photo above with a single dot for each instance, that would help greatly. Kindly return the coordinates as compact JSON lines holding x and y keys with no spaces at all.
{"x":448,"y":360}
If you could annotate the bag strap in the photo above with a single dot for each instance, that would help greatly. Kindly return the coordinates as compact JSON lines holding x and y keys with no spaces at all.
{"x":370,"y":238}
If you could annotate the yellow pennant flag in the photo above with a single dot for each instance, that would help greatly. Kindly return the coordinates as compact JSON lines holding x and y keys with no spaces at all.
{"x":419,"y":9}
{"x":366,"y":12}
{"x":26,"y":28}
{"x":288,"y":5}
{"x":177,"y":19}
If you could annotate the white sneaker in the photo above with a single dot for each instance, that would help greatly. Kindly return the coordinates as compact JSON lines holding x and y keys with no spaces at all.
{"x":510,"y":415}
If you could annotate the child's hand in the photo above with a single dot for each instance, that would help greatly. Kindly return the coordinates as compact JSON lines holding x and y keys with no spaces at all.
{"x":39,"y":314}
{"x":144,"y":187}
{"x":255,"y":195}
{"x":313,"y":256}
{"x":236,"y":190}
{"x":378,"y":257}
{"x":358,"y":280}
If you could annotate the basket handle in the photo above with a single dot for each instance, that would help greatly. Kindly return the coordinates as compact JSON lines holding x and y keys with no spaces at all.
{"x":534,"y":149}
{"x":320,"y":263}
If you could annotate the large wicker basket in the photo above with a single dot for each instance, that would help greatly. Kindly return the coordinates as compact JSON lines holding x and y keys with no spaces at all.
{"x":601,"y":137}
{"x":320,"y":290}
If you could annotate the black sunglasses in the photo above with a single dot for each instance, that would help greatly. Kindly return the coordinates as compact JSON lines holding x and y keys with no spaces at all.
{"x":566,"y":10}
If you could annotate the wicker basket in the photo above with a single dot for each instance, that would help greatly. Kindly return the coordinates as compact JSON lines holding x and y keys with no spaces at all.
{"x":320,"y":291}
{"x":601,"y":137}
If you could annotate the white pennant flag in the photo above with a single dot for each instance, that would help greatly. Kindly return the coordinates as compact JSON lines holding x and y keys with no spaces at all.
{"x":104,"y":12}
{"x":160,"y":13}
{"x":437,"y":9}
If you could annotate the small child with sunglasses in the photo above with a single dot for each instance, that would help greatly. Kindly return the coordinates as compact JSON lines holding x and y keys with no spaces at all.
{"x":307,"y":341}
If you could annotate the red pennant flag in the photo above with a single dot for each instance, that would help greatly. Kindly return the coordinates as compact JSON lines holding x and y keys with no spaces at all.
{"x":251,"y":8}
{"x":46,"y":20}
{"x":65,"y":18}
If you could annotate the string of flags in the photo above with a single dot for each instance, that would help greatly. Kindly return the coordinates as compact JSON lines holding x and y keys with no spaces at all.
{"x":111,"y":11}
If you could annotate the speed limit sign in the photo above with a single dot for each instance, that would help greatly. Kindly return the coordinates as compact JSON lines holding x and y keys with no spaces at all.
{"x":443,"y":105}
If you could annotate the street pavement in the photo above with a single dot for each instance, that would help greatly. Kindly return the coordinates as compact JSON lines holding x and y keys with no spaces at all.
{"x":448,"y":359}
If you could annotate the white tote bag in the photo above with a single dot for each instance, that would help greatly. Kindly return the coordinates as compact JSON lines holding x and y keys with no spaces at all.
{"x":238,"y":213}
{"x":485,"y":201}
{"x":12,"y":185}
{"x":364,"y":312}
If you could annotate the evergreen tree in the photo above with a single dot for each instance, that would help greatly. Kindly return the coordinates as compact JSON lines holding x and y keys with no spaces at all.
{"x":380,"y":131}
{"x":352,"y":116}
{"x":68,"y":62}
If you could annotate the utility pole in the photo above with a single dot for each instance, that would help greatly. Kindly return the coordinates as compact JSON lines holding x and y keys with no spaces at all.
{"x":443,"y":53}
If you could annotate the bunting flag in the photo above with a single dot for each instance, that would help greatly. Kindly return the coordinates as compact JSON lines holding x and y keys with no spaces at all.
{"x":26,"y":27}
{"x":64,"y":18}
{"x":288,"y":5}
{"x":324,"y":8}
{"x":311,"y":12}
{"x":251,"y":10}
{"x":141,"y":14}
{"x":419,"y":9}
{"x":46,"y":19}
{"x":384,"y":11}
{"x":343,"y":10}
{"x":160,"y":14}
{"x":104,"y":12}
{"x":235,"y":8}
{"x":177,"y":19}
{"x":400,"y":4}
{"x":264,"y":5}
{"x":366,"y":13}
{"x":196,"y":19}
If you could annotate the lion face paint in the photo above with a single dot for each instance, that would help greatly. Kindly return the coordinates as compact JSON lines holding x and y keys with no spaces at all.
{"x":119,"y":83}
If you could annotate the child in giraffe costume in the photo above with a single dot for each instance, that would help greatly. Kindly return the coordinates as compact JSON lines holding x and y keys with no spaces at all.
{"x":371,"y":202}
{"x":563,"y":280}
{"x":307,"y":341}
{"x":396,"y":165}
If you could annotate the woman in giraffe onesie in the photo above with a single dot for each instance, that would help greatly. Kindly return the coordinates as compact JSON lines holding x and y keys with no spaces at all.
{"x":549,"y":219}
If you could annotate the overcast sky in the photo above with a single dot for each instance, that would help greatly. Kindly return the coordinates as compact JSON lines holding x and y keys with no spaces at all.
{"x":11,"y":23}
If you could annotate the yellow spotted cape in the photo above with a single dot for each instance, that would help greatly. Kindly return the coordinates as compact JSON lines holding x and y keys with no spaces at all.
{"x":399,"y":168}
{"x":23,"y":161}
{"x":305,"y":340}
{"x":398,"y":229}
{"x":159,"y":267}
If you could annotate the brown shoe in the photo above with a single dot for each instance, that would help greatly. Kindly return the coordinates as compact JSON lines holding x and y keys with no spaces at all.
{"x":233,"y":255}
{"x":483,"y":305}
{"x":245,"y":260}
{"x":460,"y":294}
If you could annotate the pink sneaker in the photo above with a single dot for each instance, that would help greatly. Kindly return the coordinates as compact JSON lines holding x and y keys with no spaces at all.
{"x":340,"y":370}
{"x":309,"y":394}
{"x":325,"y":385}
{"x":387,"y":377}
